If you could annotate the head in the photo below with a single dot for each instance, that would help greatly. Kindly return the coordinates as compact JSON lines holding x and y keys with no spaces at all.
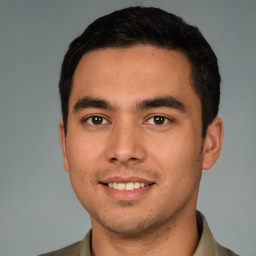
{"x":148,"y":26}
{"x":139,"y":88}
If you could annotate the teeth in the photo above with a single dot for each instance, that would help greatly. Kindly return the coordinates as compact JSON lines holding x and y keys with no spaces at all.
{"x":136,"y":185}
{"x":121,"y":186}
{"x":127,"y":186}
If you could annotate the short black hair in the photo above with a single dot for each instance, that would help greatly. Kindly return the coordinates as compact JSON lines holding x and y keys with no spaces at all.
{"x":148,"y":26}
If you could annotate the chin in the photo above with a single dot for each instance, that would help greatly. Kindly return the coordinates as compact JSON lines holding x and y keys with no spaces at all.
{"x":131,"y":225}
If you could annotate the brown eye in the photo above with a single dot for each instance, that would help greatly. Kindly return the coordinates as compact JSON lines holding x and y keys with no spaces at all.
{"x":158,"y":120}
{"x":96,"y":120}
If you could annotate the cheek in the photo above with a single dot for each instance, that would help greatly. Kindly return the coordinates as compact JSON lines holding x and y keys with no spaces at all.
{"x":178,"y":157}
{"x":180,"y":161}
{"x":82,"y":156}
{"x":84,"y":150}
{"x":173,"y":150}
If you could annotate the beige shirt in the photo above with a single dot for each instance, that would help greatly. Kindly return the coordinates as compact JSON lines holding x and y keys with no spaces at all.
{"x":207,"y":245}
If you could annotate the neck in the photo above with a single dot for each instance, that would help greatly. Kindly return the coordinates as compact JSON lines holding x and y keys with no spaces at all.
{"x":177,"y":237}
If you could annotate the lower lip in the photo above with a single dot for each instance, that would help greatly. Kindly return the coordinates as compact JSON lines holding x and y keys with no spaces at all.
{"x":126,"y":195}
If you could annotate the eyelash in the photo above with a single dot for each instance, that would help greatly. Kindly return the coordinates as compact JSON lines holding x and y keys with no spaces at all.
{"x":85,"y":120}
{"x":166,"y":120}
{"x":105,"y":121}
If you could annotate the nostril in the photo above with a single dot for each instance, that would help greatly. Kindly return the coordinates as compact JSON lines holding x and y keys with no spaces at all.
{"x":113,"y":159}
{"x":131,"y":159}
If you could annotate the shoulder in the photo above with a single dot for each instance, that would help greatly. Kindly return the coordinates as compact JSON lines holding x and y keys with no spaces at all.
{"x":76,"y":249}
{"x":71,"y":250}
{"x":207,"y":243}
{"x":223,"y":251}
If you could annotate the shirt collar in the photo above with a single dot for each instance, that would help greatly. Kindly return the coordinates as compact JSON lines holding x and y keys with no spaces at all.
{"x":207,"y":243}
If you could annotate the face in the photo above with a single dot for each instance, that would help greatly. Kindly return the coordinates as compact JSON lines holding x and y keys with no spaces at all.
{"x":133,"y":146}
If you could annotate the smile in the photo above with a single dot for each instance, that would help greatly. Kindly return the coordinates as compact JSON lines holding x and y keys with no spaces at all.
{"x":127,"y":186}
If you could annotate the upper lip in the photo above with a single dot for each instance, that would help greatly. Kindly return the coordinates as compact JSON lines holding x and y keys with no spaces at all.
{"x":119,"y":179}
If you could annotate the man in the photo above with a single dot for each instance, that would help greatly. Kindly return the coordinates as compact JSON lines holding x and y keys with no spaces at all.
{"x":140,"y":93}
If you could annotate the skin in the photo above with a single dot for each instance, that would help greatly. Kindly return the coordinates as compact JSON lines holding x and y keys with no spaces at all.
{"x":129,"y":143}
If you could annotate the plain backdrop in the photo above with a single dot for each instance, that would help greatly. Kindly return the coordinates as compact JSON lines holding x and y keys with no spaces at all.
{"x":38,"y":209}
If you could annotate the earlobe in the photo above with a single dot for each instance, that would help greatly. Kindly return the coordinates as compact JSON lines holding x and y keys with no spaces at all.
{"x":63,"y":145}
{"x":213,"y":143}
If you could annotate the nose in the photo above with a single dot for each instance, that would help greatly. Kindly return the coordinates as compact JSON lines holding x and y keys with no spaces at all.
{"x":126,"y":145}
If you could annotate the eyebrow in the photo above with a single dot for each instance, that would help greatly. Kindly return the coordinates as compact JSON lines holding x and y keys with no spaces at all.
{"x":89,"y":102}
{"x":166,"y":101}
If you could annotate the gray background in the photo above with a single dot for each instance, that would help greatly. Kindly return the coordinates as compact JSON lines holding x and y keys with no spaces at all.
{"x":39,"y":211}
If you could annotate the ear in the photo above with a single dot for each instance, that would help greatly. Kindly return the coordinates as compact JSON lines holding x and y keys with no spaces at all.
{"x":63,"y":145}
{"x":213,"y":143}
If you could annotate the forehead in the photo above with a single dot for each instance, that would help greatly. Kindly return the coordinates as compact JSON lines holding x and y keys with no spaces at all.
{"x":134,"y":73}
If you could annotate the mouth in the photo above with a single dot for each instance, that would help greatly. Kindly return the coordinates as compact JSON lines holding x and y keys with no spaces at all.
{"x":128,"y":186}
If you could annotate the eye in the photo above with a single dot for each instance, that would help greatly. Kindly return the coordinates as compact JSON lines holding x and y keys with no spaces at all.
{"x":95,"y":120}
{"x":158,"y":120}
